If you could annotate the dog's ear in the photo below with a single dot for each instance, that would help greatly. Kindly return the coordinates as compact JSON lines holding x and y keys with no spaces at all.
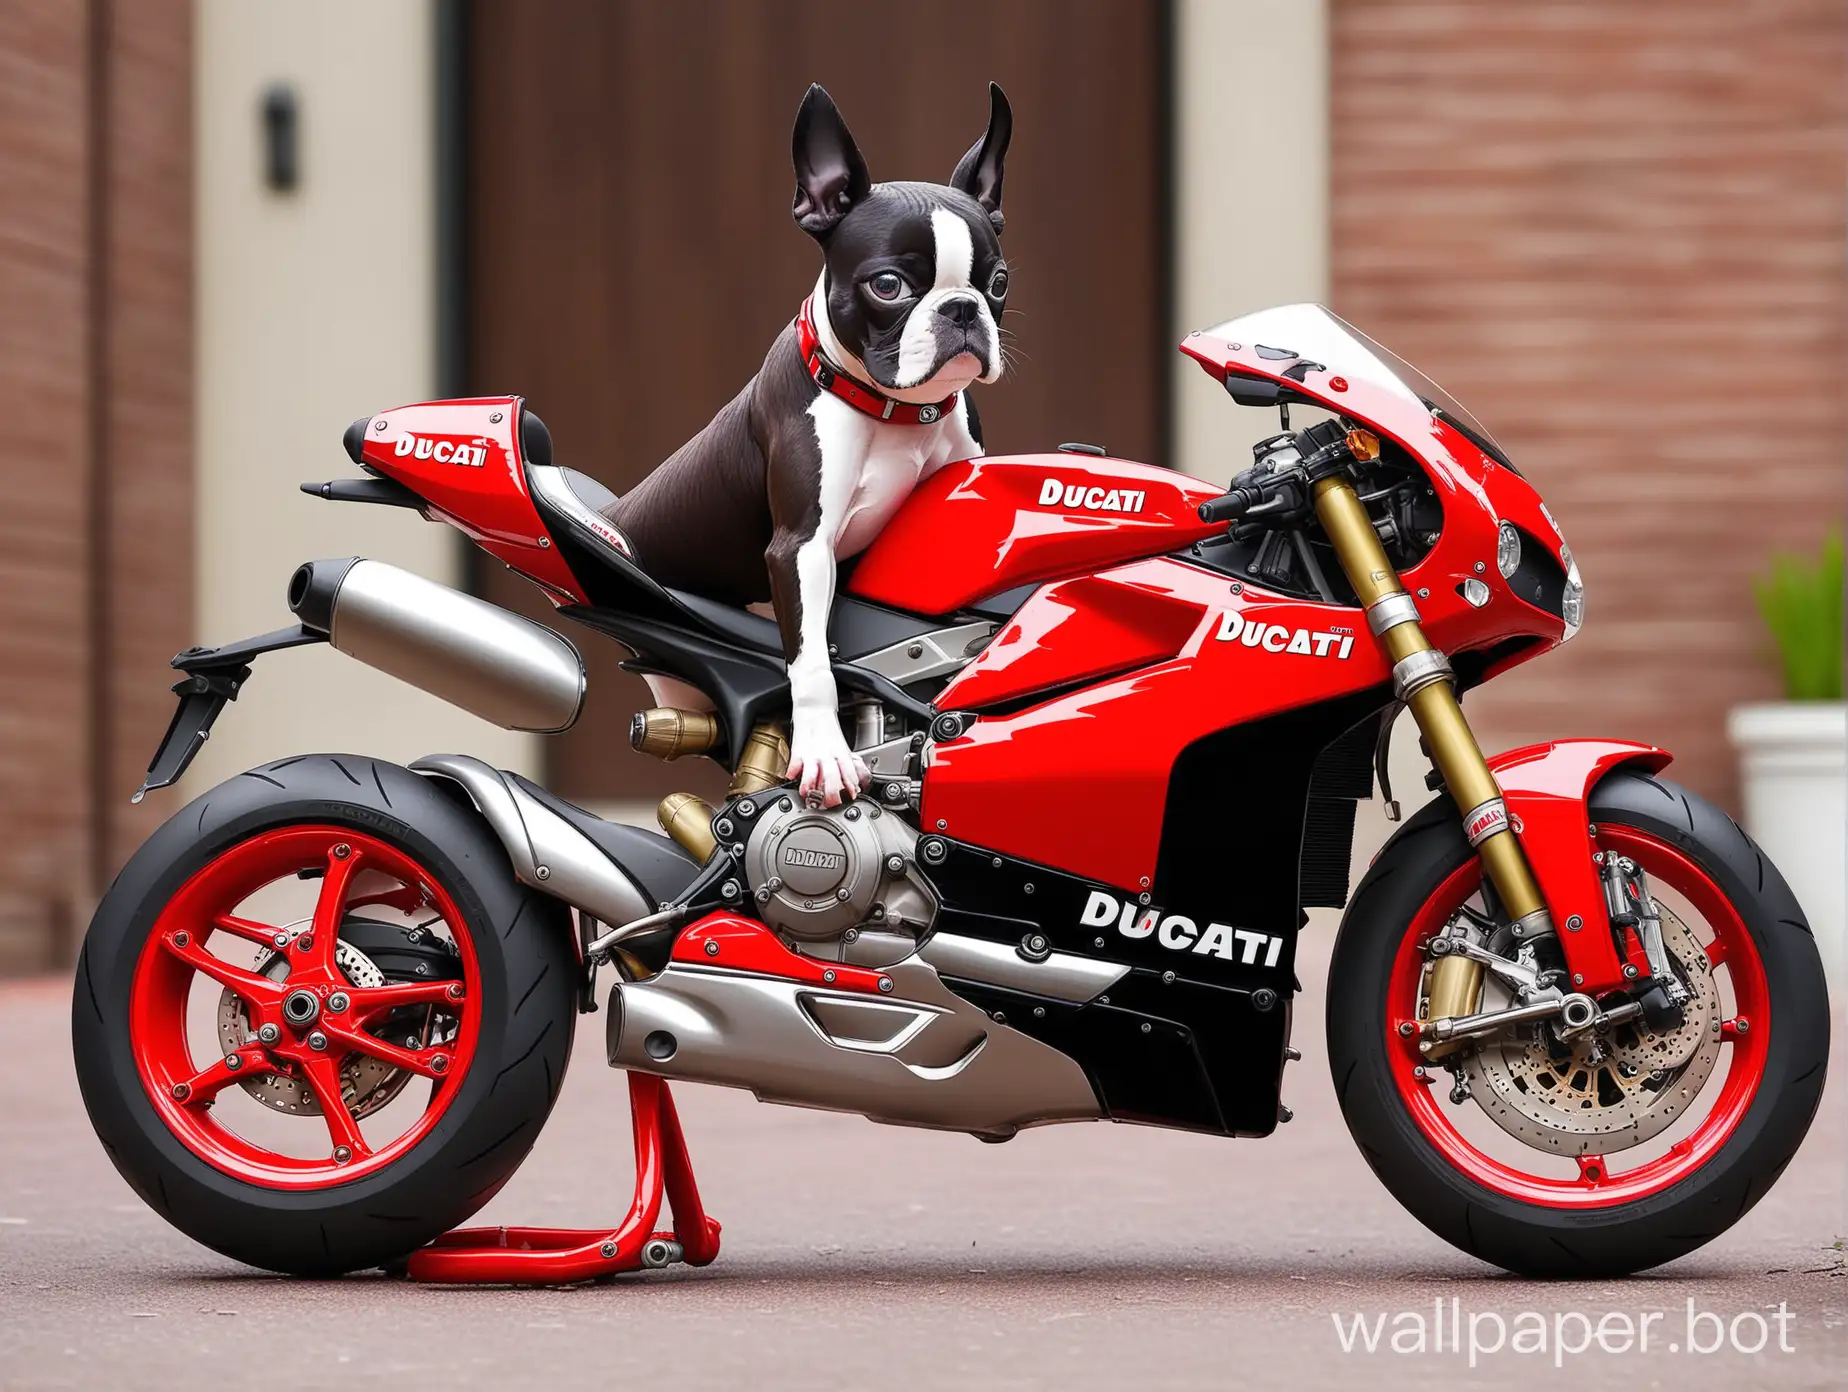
{"x":978,"y":173}
{"x":830,"y":174}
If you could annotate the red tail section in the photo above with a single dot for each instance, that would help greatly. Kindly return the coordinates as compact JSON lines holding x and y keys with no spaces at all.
{"x":465,"y":458}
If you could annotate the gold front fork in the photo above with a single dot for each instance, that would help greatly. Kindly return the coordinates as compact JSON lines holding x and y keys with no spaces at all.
{"x":1422,"y":679}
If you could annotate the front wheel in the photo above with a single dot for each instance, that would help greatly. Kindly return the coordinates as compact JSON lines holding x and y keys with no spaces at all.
{"x":316,"y":1021}
{"x":1624,"y":1148}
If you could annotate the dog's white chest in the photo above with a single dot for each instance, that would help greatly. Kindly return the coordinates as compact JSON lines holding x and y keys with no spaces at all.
{"x":886,"y":477}
{"x":868,"y":468}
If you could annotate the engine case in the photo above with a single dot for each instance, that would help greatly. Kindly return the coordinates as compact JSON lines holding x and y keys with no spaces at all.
{"x":816,"y":873}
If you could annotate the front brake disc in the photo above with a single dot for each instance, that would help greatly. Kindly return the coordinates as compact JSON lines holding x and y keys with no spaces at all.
{"x":1609,"y":1090}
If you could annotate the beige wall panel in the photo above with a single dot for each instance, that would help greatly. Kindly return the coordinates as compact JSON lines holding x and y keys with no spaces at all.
{"x":1251,"y":194}
{"x":314,"y":307}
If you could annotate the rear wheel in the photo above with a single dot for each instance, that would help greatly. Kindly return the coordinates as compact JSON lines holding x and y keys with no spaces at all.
{"x":1619,"y":1149}
{"x":316,"y":1020}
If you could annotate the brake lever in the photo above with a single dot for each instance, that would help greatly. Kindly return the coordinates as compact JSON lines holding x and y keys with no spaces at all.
{"x":1286,"y":498}
{"x":1276,"y":505}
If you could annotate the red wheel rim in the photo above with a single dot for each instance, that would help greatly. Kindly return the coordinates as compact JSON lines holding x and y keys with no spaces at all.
{"x":176,"y":953}
{"x":1597,"y":1185}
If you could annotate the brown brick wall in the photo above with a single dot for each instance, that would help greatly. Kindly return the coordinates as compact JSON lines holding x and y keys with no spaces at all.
{"x":1617,"y":232}
{"x":150,"y":400}
{"x":49,"y":666}
{"x":43,"y":558}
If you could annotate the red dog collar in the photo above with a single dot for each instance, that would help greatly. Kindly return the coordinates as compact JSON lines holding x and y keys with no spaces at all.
{"x":862,"y":398}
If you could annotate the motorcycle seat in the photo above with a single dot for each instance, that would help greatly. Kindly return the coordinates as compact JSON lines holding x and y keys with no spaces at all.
{"x":577,"y":505}
{"x":855,"y":627}
{"x":587,"y":510}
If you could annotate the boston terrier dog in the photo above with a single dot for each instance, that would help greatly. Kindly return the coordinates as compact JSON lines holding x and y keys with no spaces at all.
{"x":862,"y":397}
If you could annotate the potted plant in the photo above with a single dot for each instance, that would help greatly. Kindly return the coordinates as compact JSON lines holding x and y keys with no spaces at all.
{"x":1794,"y":753}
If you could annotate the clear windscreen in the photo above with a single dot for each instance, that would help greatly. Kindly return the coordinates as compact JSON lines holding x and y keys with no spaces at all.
{"x":1310,"y":332}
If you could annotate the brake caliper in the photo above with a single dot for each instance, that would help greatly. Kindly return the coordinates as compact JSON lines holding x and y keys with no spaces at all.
{"x":1636,"y":916}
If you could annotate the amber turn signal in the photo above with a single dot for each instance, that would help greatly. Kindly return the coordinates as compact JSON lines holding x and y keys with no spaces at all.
{"x":1364,"y":445}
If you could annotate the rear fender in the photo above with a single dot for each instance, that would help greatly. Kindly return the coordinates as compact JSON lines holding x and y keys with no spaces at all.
{"x":547,"y":852}
{"x":1547,"y":789}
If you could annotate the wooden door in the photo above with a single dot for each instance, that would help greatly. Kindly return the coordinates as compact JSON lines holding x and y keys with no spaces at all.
{"x":631,"y":254}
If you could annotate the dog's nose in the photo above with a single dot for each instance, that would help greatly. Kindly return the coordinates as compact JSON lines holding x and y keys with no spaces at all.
{"x":960,"y":312}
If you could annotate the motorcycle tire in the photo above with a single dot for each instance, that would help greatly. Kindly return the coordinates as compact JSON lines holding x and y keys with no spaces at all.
{"x":514,"y":990}
{"x":1608,"y":1223}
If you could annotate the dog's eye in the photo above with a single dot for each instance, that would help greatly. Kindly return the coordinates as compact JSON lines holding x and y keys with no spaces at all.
{"x":997,"y":284}
{"x":887,"y":285}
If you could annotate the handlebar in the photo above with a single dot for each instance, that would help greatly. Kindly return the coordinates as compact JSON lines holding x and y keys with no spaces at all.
{"x":1282,"y":494}
{"x":1230,"y":505}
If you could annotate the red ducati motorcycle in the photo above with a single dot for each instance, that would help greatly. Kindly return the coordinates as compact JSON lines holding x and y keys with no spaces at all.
{"x":1118,"y":723}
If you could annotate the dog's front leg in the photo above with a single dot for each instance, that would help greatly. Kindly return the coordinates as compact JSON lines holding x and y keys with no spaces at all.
{"x":802,"y":585}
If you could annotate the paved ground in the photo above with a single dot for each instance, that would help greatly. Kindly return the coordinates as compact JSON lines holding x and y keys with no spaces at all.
{"x":864,"y":1256}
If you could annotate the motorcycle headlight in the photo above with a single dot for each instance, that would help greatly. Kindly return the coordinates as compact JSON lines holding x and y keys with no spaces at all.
{"x":1508,"y":550}
{"x":1572,"y":600}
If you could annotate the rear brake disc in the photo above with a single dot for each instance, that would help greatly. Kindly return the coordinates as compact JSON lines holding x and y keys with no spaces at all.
{"x":367,"y":1084}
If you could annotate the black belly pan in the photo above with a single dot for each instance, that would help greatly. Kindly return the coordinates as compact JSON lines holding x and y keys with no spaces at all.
{"x":1165,"y":1044}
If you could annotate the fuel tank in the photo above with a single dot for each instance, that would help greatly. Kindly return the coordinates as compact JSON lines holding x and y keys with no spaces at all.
{"x":983,"y":526}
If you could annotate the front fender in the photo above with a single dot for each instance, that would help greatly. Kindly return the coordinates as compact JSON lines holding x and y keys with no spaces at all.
{"x":1546,"y":788}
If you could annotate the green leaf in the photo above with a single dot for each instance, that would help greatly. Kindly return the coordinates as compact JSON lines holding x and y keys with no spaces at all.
{"x":1800,"y":600}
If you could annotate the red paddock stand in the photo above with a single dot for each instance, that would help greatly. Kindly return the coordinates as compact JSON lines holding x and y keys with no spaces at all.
{"x":556,"y":1256}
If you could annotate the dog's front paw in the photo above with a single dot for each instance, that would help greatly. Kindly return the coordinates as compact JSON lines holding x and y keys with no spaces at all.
{"x":825,"y":769}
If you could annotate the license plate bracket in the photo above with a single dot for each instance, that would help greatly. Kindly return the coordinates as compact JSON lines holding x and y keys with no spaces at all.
{"x":213,"y":677}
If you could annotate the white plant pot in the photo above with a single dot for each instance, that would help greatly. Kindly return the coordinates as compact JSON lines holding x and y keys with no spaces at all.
{"x":1793,"y":758}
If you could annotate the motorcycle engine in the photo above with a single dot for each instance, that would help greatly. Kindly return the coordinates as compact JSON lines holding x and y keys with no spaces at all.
{"x":820,"y":875}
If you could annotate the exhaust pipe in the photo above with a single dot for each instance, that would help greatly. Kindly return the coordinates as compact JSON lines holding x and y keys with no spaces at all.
{"x":918,"y":1055}
{"x":499,"y":666}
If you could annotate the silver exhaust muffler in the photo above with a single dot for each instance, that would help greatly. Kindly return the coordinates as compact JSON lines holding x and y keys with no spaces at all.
{"x":917,"y":1056}
{"x":492,"y":663}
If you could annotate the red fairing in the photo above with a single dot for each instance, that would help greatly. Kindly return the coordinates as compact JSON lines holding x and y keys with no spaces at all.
{"x":982,"y":526}
{"x":1246,"y":655}
{"x":1135,"y":653}
{"x":1546,"y":788}
{"x":464,"y":457}
{"x":1475,"y":492}
{"x":1081,"y":630}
